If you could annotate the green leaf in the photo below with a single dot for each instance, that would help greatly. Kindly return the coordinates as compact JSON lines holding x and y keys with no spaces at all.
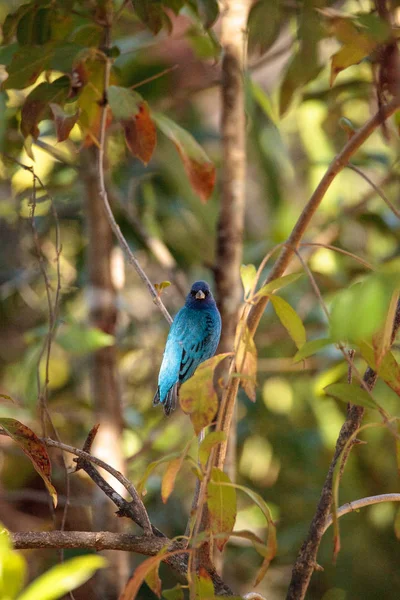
{"x":310,"y":348}
{"x":201,"y":586}
{"x":34,"y":448}
{"x":369,"y":300}
{"x":79,"y":339}
{"x":221,"y":502}
{"x":198,"y":166}
{"x":248,"y":274}
{"x":212,"y":439}
{"x":290,"y":320}
{"x":264,"y":23}
{"x":175,"y":593}
{"x":207,"y":10}
{"x":277,"y":284}
{"x":26,"y":67}
{"x":351,"y":392}
{"x":153,"y":581}
{"x":11,"y":22}
{"x":124,"y":103}
{"x":271,"y":545}
{"x":197,"y":396}
{"x":388,"y":368}
{"x":13,"y":568}
{"x":63,"y":578}
{"x":151,"y":13}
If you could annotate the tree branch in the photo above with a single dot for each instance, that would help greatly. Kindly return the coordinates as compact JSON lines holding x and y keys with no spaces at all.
{"x":103,"y":192}
{"x":306,"y":560}
{"x":149,"y":545}
{"x":337,"y":165}
{"x":355,"y":505}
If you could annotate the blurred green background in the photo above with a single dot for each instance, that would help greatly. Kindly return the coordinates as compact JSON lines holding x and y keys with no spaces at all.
{"x":285,"y":439}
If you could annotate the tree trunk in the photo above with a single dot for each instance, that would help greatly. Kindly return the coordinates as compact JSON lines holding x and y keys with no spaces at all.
{"x":101,"y":294}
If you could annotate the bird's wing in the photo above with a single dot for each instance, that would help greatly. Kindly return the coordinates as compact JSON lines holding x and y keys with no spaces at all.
{"x":193,"y":331}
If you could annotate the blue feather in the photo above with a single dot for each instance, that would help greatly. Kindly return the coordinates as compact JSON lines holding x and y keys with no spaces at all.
{"x":192,"y":339}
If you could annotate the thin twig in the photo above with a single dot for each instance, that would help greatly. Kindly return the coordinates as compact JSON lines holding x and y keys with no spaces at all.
{"x":103,"y":192}
{"x":355,"y":505}
{"x":336,"y":166}
{"x":376,"y":188}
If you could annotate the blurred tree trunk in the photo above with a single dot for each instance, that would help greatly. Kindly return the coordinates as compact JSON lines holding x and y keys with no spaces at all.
{"x":231,"y":218}
{"x":102,"y":297}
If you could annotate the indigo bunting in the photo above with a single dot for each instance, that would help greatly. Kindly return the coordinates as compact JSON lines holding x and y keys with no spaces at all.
{"x":192,"y":339}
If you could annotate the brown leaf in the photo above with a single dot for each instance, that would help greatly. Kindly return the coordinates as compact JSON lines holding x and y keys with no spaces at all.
{"x":63,"y":122}
{"x":168,"y":480}
{"x":141,"y":134}
{"x":34,"y":449}
{"x":199,"y":168}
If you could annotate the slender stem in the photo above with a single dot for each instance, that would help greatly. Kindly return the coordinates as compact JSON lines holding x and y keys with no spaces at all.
{"x":355,"y":505}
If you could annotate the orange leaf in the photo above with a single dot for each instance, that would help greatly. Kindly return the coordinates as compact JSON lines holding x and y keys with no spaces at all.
{"x":168,"y":481}
{"x":63,"y":122}
{"x":34,"y":449}
{"x":140,"y":134}
{"x":199,"y":168}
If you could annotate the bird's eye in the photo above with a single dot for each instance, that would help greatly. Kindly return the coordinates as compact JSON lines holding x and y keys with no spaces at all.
{"x":193,"y":293}
{"x":206,"y":292}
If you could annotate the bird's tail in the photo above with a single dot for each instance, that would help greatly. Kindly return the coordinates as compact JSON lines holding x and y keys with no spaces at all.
{"x":169,"y":404}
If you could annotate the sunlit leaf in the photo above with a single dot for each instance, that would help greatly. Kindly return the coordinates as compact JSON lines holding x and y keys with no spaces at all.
{"x":271,"y":546}
{"x":198,"y":397}
{"x":248,"y":274}
{"x":212,"y":439}
{"x":80,"y":339}
{"x":369,"y":300}
{"x":134,"y":583}
{"x":6,"y":397}
{"x":175,"y":593}
{"x":150,"y":468}
{"x":13,"y":568}
{"x":153,"y":581}
{"x":290,"y":320}
{"x":168,"y":480}
{"x":382,"y":340}
{"x":221,"y":502}
{"x":310,"y":348}
{"x":350,"y":392}
{"x":63,"y":578}
{"x":388,"y":368}
{"x":33,"y":448}
{"x":277,"y":284}
{"x":201,"y":586}
{"x":63,"y":122}
{"x":199,"y":168}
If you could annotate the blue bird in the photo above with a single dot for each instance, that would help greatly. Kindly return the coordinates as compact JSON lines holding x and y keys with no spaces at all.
{"x":192,"y":339}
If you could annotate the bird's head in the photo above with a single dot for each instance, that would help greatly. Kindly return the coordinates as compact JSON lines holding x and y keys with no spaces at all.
{"x":200,"y":295}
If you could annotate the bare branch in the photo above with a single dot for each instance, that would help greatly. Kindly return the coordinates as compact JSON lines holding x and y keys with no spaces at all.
{"x":376,"y":188}
{"x":103,"y":192}
{"x":336,"y":166}
{"x":355,"y":505}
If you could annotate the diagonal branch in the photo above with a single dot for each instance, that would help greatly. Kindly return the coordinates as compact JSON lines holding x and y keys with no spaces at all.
{"x":306,"y":560}
{"x":337,"y":165}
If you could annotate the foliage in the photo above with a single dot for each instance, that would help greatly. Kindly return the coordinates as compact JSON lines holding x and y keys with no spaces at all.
{"x":163,"y":157}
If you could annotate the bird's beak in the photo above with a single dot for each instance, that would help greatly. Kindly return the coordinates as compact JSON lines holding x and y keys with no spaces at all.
{"x":200,"y":295}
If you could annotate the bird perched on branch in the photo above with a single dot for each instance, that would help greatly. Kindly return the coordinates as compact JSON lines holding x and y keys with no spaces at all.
{"x":192,"y":339}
